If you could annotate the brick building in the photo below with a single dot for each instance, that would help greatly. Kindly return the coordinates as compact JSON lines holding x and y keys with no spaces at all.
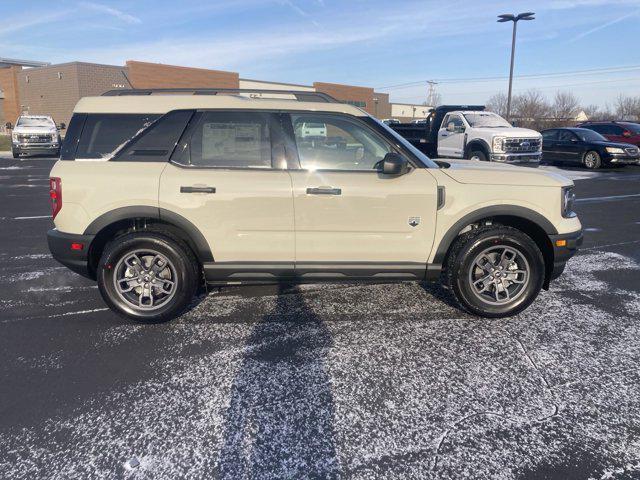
{"x":54,"y":89}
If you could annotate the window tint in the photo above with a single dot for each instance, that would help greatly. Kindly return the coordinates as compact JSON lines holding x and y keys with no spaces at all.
{"x":595,"y":128}
{"x":456,"y":120}
{"x":104,"y":133}
{"x":344,"y":145}
{"x":228,"y":140}
{"x":157,"y":142}
{"x":616,"y":130}
{"x":565,"y":136}
{"x":550,"y":135}
{"x":72,"y":136}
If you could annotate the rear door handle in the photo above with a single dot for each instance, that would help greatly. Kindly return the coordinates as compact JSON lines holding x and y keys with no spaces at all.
{"x":197,"y":190}
{"x":324,"y":191}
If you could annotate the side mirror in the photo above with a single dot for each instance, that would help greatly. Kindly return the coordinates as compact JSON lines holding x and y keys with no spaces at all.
{"x":8,"y":126}
{"x":394,"y":164}
{"x":451,"y":127}
{"x":574,"y":140}
{"x":459,"y":129}
{"x":62,"y":126}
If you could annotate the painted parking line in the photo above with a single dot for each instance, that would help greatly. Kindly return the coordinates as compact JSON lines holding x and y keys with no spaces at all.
{"x":606,"y":199}
{"x":32,"y":218}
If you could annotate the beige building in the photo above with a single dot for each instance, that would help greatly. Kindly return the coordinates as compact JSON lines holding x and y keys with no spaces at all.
{"x":409,"y":111}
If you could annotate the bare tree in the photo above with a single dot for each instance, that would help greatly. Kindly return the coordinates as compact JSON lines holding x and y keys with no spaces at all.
{"x":531,"y":109}
{"x":565,"y":106}
{"x":596,"y":113}
{"x":498,"y":104}
{"x":627,"y":107}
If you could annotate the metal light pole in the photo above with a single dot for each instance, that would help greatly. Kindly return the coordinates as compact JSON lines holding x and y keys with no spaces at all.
{"x":507,"y":17}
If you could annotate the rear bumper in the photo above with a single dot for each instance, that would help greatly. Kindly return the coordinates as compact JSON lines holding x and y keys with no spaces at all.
{"x":563,"y":252}
{"x":75,"y":260}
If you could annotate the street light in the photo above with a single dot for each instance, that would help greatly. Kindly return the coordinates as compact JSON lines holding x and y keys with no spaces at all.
{"x":513,"y":18}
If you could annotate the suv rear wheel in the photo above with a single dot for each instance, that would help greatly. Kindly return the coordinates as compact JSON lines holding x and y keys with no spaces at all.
{"x":148,"y":276}
{"x":495,"y":271}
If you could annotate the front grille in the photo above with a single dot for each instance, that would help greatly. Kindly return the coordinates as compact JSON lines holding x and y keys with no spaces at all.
{"x":36,"y":138}
{"x":521,"y":145}
{"x":633,"y":151}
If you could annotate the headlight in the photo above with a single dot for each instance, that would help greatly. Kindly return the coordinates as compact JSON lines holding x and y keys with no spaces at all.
{"x":14,"y":137}
{"x":567,"y":200}
{"x":498,"y":144}
{"x":615,"y":150}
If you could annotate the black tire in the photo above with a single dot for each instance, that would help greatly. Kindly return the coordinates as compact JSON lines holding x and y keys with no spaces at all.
{"x":16,"y":153}
{"x":479,"y":154}
{"x":592,"y":160}
{"x":462,"y":256}
{"x":182,"y":264}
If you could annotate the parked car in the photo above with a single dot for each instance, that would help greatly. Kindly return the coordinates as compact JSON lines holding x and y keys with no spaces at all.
{"x":625,"y":132}
{"x":584,"y":146}
{"x":390,"y":121}
{"x":463,"y":131}
{"x":311,"y":130}
{"x":419,"y":120}
{"x":35,"y":134}
{"x":155,"y":194}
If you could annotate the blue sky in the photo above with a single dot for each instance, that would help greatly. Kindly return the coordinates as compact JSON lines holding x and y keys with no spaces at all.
{"x":371,"y":43}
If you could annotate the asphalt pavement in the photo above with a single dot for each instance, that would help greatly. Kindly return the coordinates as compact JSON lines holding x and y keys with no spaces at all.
{"x":322,"y":381}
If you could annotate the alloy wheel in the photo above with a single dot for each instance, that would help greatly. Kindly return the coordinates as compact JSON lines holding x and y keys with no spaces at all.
{"x":499,"y":275}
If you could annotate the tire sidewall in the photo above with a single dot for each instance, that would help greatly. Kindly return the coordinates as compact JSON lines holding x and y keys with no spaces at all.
{"x":186,"y":276}
{"x":482,"y":157}
{"x":469,"y":252}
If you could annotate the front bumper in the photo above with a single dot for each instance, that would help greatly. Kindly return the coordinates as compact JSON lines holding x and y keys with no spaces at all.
{"x":565,"y":246}
{"x":75,"y":260}
{"x":622,"y":159}
{"x":36,"y":148}
{"x":517,"y":158}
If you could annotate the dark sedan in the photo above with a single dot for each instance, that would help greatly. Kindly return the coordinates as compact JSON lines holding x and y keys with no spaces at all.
{"x":580,"y":145}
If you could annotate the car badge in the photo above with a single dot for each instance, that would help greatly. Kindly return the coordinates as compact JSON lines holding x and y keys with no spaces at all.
{"x":414,"y":221}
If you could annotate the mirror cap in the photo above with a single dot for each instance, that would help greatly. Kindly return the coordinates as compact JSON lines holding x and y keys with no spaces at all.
{"x":394,"y":164}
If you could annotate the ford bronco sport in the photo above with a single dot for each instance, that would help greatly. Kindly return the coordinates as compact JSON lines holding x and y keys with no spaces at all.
{"x":157,"y":195}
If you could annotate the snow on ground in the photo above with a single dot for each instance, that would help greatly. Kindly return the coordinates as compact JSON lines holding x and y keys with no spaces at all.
{"x":377,"y":381}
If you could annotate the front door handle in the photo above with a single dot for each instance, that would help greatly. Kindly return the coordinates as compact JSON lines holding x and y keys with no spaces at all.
{"x":324,"y":191}
{"x":197,"y":190}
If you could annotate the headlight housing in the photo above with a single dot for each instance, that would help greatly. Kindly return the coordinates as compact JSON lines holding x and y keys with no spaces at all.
{"x":498,"y":144}
{"x":567,"y":200}
{"x":614,"y":150}
{"x":14,"y":137}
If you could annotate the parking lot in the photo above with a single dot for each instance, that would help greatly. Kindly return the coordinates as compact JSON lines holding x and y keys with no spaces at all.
{"x":322,"y":381}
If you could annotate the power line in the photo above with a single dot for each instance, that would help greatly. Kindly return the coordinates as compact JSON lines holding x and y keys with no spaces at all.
{"x":593,"y":71}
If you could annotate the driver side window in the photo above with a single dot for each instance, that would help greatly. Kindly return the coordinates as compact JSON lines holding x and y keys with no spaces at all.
{"x":335,"y":142}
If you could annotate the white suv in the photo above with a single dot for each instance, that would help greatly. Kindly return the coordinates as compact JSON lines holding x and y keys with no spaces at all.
{"x":156,"y":194}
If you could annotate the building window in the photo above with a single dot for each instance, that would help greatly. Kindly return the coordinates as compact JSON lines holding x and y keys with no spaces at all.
{"x":356,"y":103}
{"x":59,"y":75}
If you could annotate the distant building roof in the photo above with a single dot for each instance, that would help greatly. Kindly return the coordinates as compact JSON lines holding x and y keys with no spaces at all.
{"x":7,"y":62}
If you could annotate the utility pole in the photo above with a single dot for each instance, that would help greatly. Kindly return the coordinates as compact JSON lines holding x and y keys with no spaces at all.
{"x":431,"y":93}
{"x":513,"y":18}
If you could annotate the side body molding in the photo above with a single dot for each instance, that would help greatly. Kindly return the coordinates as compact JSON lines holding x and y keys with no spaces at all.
{"x":194,"y":236}
{"x":489,"y":212}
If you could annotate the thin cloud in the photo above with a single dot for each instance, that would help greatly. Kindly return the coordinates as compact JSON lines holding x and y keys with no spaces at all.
{"x":114,"y":12}
{"x":28,"y":21}
{"x":604,"y":25}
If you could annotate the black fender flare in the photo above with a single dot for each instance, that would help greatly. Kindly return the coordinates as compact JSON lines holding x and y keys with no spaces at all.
{"x":478,"y":142}
{"x":196,"y":239}
{"x":488,"y":212}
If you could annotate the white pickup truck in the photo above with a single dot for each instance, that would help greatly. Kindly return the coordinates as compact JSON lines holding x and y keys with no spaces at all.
{"x":472,"y":133}
{"x":35,"y":135}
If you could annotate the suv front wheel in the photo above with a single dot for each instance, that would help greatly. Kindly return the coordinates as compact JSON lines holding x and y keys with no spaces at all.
{"x":495,"y":271}
{"x":148,"y":276}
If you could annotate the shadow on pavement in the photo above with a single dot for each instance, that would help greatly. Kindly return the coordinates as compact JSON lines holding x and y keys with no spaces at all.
{"x":279,"y":422}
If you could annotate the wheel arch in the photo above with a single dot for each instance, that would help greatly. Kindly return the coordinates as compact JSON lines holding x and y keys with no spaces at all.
{"x":141,"y":218}
{"x":524,"y":219}
{"x":479,"y":143}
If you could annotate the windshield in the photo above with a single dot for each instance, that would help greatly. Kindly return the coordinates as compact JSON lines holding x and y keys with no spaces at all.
{"x":35,"y":122}
{"x":587,"y":135}
{"x":421,"y":156}
{"x":486,"y":119}
{"x":634,"y":127}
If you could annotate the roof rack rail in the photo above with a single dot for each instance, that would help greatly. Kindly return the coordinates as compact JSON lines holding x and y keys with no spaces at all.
{"x":300,"y":95}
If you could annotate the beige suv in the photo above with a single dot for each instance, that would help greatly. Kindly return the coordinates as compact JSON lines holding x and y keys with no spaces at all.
{"x":158,"y":193}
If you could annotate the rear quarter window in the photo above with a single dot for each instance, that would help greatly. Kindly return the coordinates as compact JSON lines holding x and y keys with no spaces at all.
{"x":103,"y":133}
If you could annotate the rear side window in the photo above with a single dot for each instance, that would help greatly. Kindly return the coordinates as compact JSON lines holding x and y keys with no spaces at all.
{"x":565,"y":136}
{"x":103,"y":133}
{"x":72,"y":136}
{"x":227,"y":140}
{"x":550,"y":135}
{"x":157,"y":142}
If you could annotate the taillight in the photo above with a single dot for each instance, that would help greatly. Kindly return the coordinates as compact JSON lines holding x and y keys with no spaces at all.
{"x":55,"y":195}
